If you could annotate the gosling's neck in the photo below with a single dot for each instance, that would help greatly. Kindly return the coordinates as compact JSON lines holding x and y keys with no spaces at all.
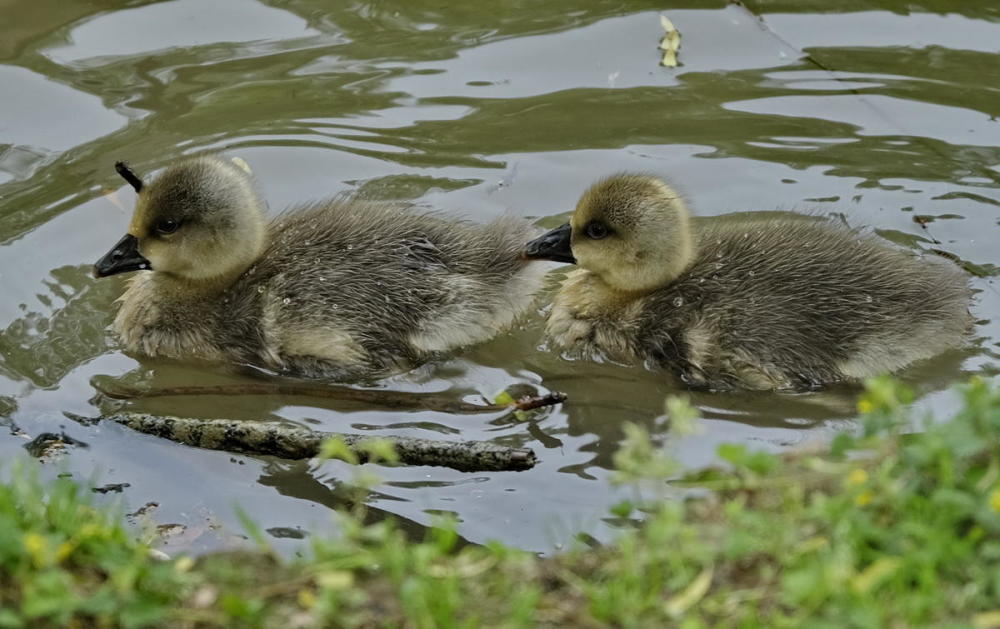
{"x":680,"y":248}
{"x":182,"y":287}
{"x":651,"y":267}
{"x":206,"y":277}
{"x":677,"y":262}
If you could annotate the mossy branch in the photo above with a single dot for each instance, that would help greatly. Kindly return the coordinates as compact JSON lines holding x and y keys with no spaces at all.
{"x":269,"y":438}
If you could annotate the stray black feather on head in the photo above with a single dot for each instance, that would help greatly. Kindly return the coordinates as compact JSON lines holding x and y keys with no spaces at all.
{"x":128,"y":175}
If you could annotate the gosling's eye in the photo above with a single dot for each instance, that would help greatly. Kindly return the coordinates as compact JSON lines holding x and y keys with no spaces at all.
{"x":597,"y":230}
{"x":167,"y":226}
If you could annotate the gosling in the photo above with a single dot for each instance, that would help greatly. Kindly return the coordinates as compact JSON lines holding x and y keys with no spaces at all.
{"x":755,"y":303}
{"x":341,"y":289}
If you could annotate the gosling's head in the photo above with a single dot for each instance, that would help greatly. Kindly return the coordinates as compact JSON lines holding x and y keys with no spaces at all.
{"x":632,"y":231}
{"x":201,"y":219}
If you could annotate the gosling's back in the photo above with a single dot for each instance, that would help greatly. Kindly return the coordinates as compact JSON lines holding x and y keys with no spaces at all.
{"x":791,"y":303}
{"x":396,"y":285}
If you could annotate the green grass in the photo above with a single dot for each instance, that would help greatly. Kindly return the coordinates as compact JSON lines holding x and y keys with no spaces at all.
{"x":62,"y":560}
{"x":882,"y":529}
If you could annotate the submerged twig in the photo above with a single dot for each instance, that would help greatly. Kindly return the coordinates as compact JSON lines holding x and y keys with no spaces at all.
{"x":401,"y":400}
{"x":268,"y":438}
{"x":531,"y":402}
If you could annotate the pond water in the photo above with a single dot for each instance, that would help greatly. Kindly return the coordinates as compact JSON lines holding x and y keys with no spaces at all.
{"x":876,"y":113}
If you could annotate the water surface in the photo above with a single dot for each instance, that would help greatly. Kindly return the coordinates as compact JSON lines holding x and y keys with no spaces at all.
{"x":871,"y":112}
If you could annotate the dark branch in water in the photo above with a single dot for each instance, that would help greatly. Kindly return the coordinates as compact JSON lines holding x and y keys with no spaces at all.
{"x":531,"y":402}
{"x":129,"y":176}
{"x":399,"y":400}
{"x":268,"y":438}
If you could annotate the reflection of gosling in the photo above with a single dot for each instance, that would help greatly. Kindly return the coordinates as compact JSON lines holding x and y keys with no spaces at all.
{"x":339,"y":289}
{"x":761,"y":304}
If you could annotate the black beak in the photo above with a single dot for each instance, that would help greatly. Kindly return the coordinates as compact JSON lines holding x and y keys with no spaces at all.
{"x":552,"y":245}
{"x":122,"y":258}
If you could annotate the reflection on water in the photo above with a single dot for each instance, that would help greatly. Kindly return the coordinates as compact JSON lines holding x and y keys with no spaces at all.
{"x":874,"y":115}
{"x":43,"y":346}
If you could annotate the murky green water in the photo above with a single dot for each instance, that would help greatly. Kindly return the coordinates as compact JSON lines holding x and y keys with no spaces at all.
{"x":876,"y":111}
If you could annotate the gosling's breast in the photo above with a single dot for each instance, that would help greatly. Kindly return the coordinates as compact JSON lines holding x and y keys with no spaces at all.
{"x":153,"y":322}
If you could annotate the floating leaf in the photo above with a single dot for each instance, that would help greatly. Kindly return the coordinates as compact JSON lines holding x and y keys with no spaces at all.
{"x":504,"y":398}
{"x":670,"y":44}
{"x":112,"y":197}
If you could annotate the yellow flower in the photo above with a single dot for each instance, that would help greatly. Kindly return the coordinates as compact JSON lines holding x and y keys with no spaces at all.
{"x":306,"y":598}
{"x":65,"y":550}
{"x":995,"y":500}
{"x":864,"y":498}
{"x":37,"y":546}
{"x":865,"y":406}
{"x":857,"y":477}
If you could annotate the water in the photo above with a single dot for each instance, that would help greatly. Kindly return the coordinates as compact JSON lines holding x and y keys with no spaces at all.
{"x":883,"y":115}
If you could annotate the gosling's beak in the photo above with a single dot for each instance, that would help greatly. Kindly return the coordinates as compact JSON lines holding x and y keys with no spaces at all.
{"x":123,"y":257}
{"x":552,"y":245}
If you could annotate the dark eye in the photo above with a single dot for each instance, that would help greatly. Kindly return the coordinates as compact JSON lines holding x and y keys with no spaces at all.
{"x":597,"y":230}
{"x":167,"y":226}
